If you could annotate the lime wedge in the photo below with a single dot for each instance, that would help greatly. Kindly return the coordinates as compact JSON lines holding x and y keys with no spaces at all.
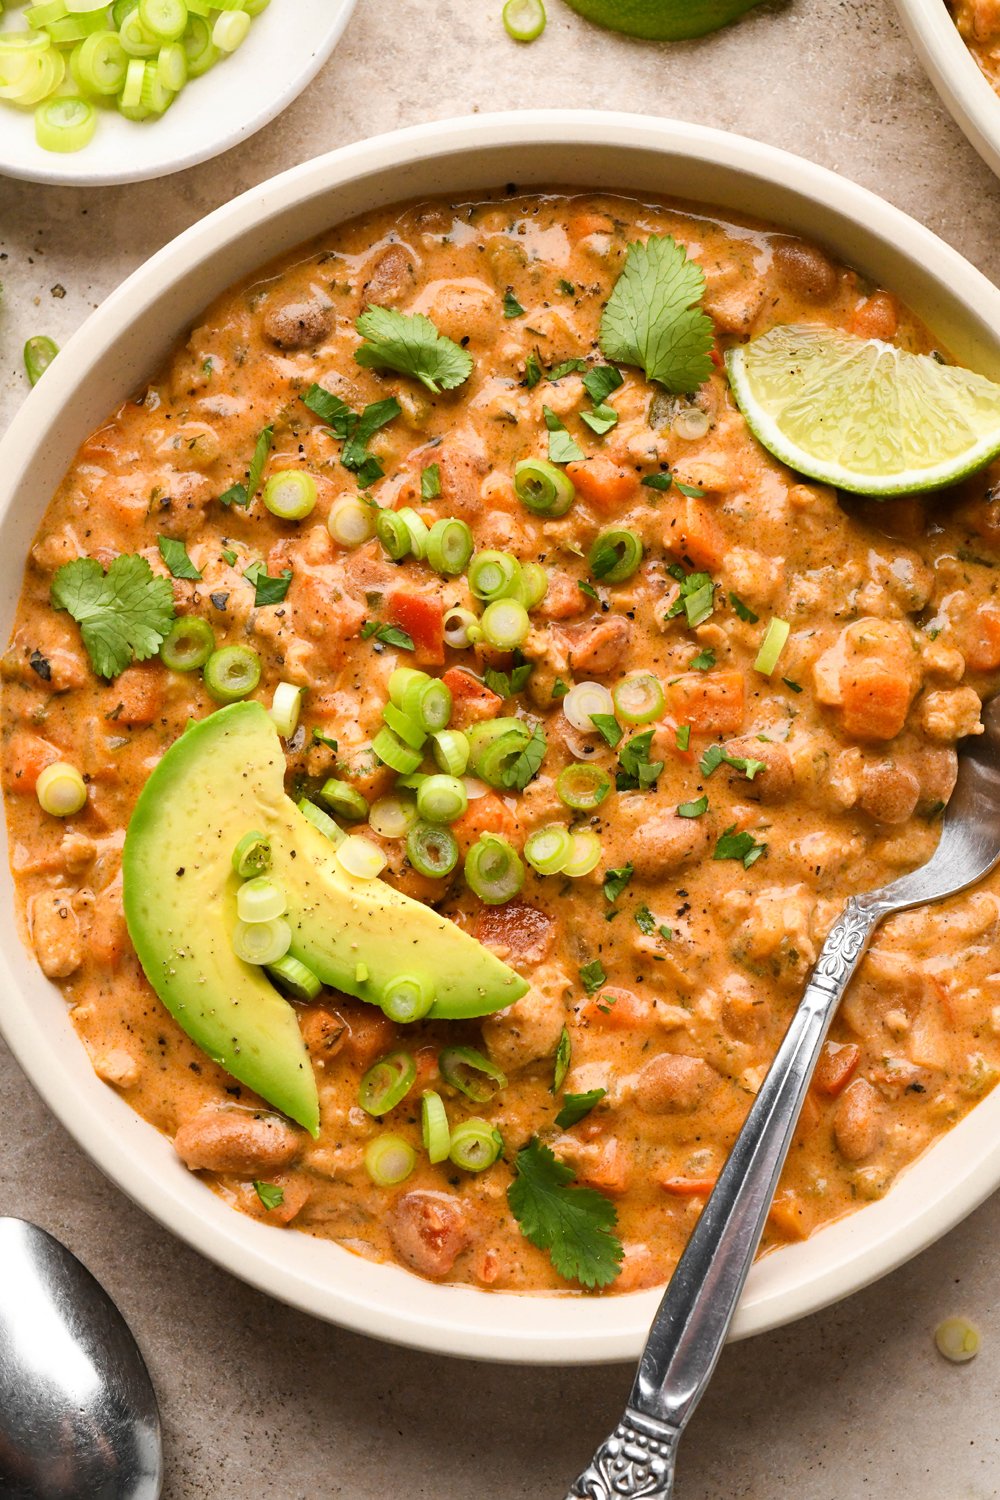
{"x":861,"y":414}
{"x":663,"y":20}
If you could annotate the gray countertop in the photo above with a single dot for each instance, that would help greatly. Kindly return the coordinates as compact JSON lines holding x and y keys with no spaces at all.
{"x":261,"y":1401}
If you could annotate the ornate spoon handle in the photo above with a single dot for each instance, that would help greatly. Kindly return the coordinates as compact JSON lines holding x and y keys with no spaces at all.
{"x":690,"y":1327}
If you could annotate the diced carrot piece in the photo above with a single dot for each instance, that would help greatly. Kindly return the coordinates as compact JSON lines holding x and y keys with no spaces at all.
{"x":981,"y":641}
{"x":485,"y":815}
{"x":24,"y":761}
{"x":615,"y":1009}
{"x":810,"y":1116}
{"x":695,"y":536}
{"x":787,"y":1217}
{"x":874,"y":702}
{"x":609,"y":1172}
{"x":876,"y":318}
{"x":603,"y":483}
{"x":370,"y":1034}
{"x":837,"y":1062}
{"x":521,"y":931}
{"x":136,"y":696}
{"x":711,"y":702}
{"x":472,"y":700}
{"x":422,"y":617}
{"x":580,"y":225}
{"x":687,"y":1187}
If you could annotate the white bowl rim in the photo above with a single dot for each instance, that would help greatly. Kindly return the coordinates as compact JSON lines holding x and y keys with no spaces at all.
{"x":967,"y":93}
{"x":382,"y":1300}
{"x":74,"y":171}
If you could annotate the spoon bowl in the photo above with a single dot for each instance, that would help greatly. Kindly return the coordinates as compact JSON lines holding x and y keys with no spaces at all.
{"x":78,"y":1415}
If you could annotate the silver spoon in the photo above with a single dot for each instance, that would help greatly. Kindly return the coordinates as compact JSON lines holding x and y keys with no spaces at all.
{"x":78,"y":1416}
{"x":692,"y":1321}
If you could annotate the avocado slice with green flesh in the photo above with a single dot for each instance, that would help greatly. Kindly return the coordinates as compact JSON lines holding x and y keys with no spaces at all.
{"x":222,"y":778}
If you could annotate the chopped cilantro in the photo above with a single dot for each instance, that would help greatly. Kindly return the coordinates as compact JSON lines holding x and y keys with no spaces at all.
{"x":573,"y":1224}
{"x":682,"y":736}
{"x":175,"y":556}
{"x":568,"y":367}
{"x":563,"y":448}
{"x":576,"y":1107}
{"x":324,"y":739}
{"x":657,"y":481}
{"x":743,"y":610}
{"x":566,"y":287}
{"x":506,"y":684}
{"x":269,"y":1194}
{"x":741,"y":846}
{"x":430,"y":482}
{"x":691,"y":490}
{"x":588,"y":589}
{"x":559,"y":688}
{"x":511,"y":307}
{"x":693,"y":809}
{"x":637,"y":772}
{"x":330,"y":409}
{"x":601,"y":419}
{"x":411,"y":345}
{"x":601,"y":381}
{"x":267,"y":590}
{"x":796,"y":687}
{"x":696,"y":598}
{"x":652,"y":318}
{"x":229,"y":556}
{"x":716,"y":756}
{"x":608,"y":728}
{"x":527,"y":765}
{"x":532,"y":370}
{"x":703,"y":661}
{"x":123,"y":614}
{"x":592,"y":976}
{"x":644,"y":920}
{"x":666,"y":933}
{"x":355,"y":455}
{"x":615,"y":881}
{"x":242,"y":494}
{"x":388,"y":635}
{"x":564,"y":1054}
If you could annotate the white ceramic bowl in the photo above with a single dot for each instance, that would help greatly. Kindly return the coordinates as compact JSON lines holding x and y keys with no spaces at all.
{"x":286,"y":47}
{"x":956,"y":75}
{"x":121,"y":345}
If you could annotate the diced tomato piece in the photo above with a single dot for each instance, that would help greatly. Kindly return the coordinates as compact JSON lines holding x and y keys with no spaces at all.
{"x":522,"y":931}
{"x":711,"y":702}
{"x":422,"y":617}
{"x":603,"y":483}
{"x":837,"y":1062}
{"x":472,"y":700}
{"x":695,"y":536}
{"x":874,"y":702}
{"x":787,"y":1217}
{"x":486,"y":814}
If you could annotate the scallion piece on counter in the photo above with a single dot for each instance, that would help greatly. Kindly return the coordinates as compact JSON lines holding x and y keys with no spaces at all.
{"x":449,"y":547}
{"x":475,"y":1145}
{"x":407,"y":998}
{"x":188,"y":644}
{"x":493,"y":869}
{"x":389,"y":1159}
{"x":771,"y":647}
{"x":39,"y":352}
{"x":524,"y":20}
{"x":61,"y":790}
{"x":294,"y":979}
{"x":471,"y":1073}
{"x":252,"y":856}
{"x":232,"y":673}
{"x":387,"y":1083}
{"x":542,"y":488}
{"x":432,"y":849}
{"x":434,"y":1128}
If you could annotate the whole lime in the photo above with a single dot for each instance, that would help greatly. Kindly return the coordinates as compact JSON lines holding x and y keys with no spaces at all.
{"x":663,"y":20}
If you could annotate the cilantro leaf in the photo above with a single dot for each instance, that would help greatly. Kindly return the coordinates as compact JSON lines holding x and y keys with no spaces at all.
{"x":559,"y":688}
{"x":703,"y":661}
{"x":511,"y":307}
{"x":588,"y":589}
{"x":741,"y":846}
{"x":267,"y":590}
{"x":526,"y":766}
{"x":577,"y":1107}
{"x":693,"y":809}
{"x":682,"y":736}
{"x":743,"y":610}
{"x":568,"y":367}
{"x":566,"y":287}
{"x":608,"y":727}
{"x":601,"y":381}
{"x":601,"y":419}
{"x":691,"y":490}
{"x":564,"y":1053}
{"x":330,"y":409}
{"x":532,"y":369}
{"x":269,"y":1194}
{"x":412,"y":346}
{"x":324,"y":739}
{"x":355,"y":455}
{"x":430,"y":482}
{"x":717,"y":755}
{"x":592,"y":976}
{"x":644,"y":920}
{"x":175,"y":556}
{"x":796,"y":687}
{"x":563,"y":447}
{"x":638,"y":772}
{"x":573,"y":1224}
{"x":615,"y":881}
{"x":388,"y":635}
{"x":242,"y":494}
{"x":123,"y":614}
{"x":652,"y":318}
{"x":229,"y":556}
{"x":696,"y":598}
{"x":657,"y":481}
{"x":506,"y":684}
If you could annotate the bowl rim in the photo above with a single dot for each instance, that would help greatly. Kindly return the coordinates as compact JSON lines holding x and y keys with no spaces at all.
{"x":463,"y":1321}
{"x":963,"y":87}
{"x":72,"y":171}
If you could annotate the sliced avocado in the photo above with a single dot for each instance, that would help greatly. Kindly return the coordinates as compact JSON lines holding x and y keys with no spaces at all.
{"x":223,"y":777}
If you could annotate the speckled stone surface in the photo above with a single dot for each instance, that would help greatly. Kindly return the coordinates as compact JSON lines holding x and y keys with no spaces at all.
{"x":259,"y":1401}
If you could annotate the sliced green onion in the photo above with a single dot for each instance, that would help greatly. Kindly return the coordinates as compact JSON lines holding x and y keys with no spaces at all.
{"x":442,"y":799}
{"x":188,"y":644}
{"x":387,"y":1083}
{"x":699,"y":605}
{"x":252,"y":856}
{"x":286,"y":706}
{"x":164,"y":19}
{"x":432,"y":849}
{"x":615,"y":556}
{"x":585,"y":700}
{"x":154,"y":96}
{"x":260,"y":900}
{"x":505,"y":624}
{"x":351,"y":522}
{"x":451,"y":752}
{"x":394,"y":534}
{"x":137,"y":41}
{"x":201,"y":51}
{"x":232,"y":673}
{"x":434,"y":1129}
{"x":639,"y":698}
{"x":475,"y":788}
{"x":360,"y":857}
{"x":65,"y":124}
{"x":417,"y":527}
{"x":39,"y":352}
{"x":771,"y":646}
{"x":957,"y":1339}
{"x":582,"y":787}
{"x":321,"y":821}
{"x":584,"y":855}
{"x":428,"y":703}
{"x":172,"y":67}
{"x":389,"y":1160}
{"x":61,"y":790}
{"x":230,"y":30}
{"x":408,"y":730}
{"x":393,"y":816}
{"x":471,"y":1073}
{"x":456,"y":628}
{"x":393,"y":753}
{"x":542,"y":488}
{"x":400,"y":679}
{"x":294,"y":978}
{"x":344,"y":799}
{"x":493,"y":869}
{"x":290,"y":494}
{"x":449,"y":547}
{"x":407,"y":998}
{"x":262,"y":942}
{"x":475,"y":1145}
{"x":547,"y":849}
{"x":534,"y":584}
{"x":135,"y":76}
{"x":495,"y":745}
{"x":494,"y":575}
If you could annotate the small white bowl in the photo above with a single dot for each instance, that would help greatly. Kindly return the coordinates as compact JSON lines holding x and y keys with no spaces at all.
{"x":954,"y":72}
{"x":119,"y":347}
{"x":285,"y":49}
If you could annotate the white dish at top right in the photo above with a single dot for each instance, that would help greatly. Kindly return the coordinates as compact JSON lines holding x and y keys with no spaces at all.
{"x":972,"y":99}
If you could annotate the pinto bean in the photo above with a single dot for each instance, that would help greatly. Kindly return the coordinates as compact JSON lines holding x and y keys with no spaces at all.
{"x":463,"y":466}
{"x":529,"y":1029}
{"x":775,"y":782}
{"x":888,"y":793}
{"x":428,"y":1231}
{"x":392,"y":275}
{"x":55,"y":933}
{"x":654,"y":839}
{"x":805,"y":270}
{"x":524,"y":933}
{"x":598,"y":647}
{"x":857,"y":1123}
{"x":239,"y":1142}
{"x":673,"y":1084}
{"x":324,"y":1032}
{"x":299,"y":324}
